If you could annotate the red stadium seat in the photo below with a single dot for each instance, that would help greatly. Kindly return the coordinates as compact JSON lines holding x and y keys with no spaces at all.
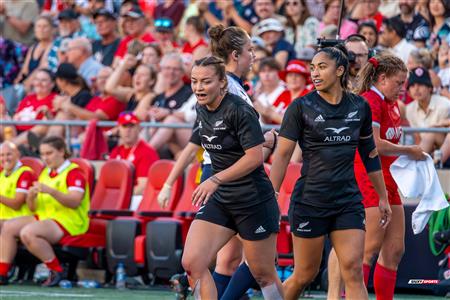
{"x":161,"y":246}
{"x":88,"y":170}
{"x":284,"y":241}
{"x":34,"y":163}
{"x":157,"y":175}
{"x":114,"y":187}
{"x":122,"y":232}
{"x":185,"y":211}
{"x":287,"y":187}
{"x":113,"y":191}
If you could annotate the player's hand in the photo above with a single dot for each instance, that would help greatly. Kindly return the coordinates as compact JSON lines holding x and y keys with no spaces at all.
{"x":164,"y":195}
{"x":33,"y":191}
{"x":385,"y":213}
{"x":416,"y":153}
{"x":43,"y":188}
{"x":203,"y":192}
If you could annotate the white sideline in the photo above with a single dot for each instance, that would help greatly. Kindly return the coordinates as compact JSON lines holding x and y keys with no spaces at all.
{"x":43,"y":294}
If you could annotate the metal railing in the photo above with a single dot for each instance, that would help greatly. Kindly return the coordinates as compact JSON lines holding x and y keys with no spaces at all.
{"x":70,"y":123}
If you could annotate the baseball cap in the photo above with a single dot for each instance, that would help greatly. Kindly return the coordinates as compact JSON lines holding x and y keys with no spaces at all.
{"x":270,"y":24}
{"x":128,"y":117}
{"x":296,"y":66}
{"x":68,"y":14}
{"x":105,"y":12}
{"x":421,"y":34}
{"x":421,"y":76}
{"x":134,"y":12}
{"x":66,"y":71}
{"x":163,"y":25}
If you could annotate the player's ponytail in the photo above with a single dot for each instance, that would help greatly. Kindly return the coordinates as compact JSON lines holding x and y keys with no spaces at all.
{"x":387,"y":64}
{"x":223,"y":41}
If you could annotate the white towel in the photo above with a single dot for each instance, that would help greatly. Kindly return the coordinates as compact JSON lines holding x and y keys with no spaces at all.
{"x":418,"y":179}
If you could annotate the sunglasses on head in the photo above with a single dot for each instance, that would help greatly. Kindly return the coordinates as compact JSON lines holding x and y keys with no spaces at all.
{"x":163,"y":23}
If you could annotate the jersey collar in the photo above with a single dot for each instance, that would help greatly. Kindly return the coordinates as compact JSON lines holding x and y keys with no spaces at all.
{"x":16,"y":167}
{"x":373,"y":88}
{"x":62,"y":167}
{"x":235,"y":77}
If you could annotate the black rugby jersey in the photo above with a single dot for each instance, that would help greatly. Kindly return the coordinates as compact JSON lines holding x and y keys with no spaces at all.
{"x":328,"y":136}
{"x":226,"y":133}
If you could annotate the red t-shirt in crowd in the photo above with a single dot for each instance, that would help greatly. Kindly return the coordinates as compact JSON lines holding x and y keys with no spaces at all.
{"x":28,"y":109}
{"x":123,"y":45}
{"x":189,"y":49}
{"x":142,"y":156}
{"x":284,"y":99}
{"x":109,"y":105}
{"x":25,"y":182}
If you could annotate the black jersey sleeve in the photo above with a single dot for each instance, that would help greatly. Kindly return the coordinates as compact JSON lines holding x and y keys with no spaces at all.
{"x":291,"y":127}
{"x":366,"y":126}
{"x":247,"y":126}
{"x":366,"y":143}
{"x":195,"y":136}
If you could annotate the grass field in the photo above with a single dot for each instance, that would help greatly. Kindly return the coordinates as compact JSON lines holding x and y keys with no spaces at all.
{"x":15,"y":292}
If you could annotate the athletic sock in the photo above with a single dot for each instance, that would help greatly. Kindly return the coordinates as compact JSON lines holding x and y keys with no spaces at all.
{"x":4,"y":269}
{"x":384,"y":282}
{"x":241,"y":281}
{"x":221,"y":282}
{"x":366,"y":272}
{"x":271,"y":292}
{"x":54,"y":265}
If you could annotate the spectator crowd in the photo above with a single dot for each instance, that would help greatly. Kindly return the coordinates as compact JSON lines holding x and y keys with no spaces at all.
{"x":130,"y":60}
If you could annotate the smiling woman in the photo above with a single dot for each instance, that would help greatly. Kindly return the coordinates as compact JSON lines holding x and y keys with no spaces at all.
{"x":238,"y":198}
{"x":329,"y":124}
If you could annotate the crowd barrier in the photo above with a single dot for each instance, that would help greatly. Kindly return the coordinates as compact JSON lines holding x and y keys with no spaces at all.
{"x":70,"y":123}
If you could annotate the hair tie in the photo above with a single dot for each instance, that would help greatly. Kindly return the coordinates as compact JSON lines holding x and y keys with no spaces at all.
{"x":374,"y":62}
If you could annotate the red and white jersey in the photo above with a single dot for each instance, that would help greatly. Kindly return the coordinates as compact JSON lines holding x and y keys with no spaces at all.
{"x":386,"y":116}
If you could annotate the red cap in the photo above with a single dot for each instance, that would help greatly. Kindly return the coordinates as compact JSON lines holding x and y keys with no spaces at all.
{"x":297,"y":66}
{"x":128,"y":118}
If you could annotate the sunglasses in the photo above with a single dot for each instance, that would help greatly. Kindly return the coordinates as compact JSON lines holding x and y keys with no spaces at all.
{"x":163,"y":23}
{"x":292,"y":3}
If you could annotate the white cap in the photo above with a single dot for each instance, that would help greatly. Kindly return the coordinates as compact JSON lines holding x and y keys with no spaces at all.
{"x":270,"y":24}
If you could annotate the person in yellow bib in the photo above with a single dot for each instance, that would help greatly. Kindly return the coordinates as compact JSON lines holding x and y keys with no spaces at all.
{"x":15,"y":181}
{"x":60,"y":203}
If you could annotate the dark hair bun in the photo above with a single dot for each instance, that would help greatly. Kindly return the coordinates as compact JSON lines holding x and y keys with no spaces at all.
{"x":216,"y":32}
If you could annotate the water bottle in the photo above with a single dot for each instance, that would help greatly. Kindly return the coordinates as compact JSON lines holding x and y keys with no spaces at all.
{"x":438,"y":158}
{"x":75,"y":146}
{"x":65,"y":284}
{"x":121,"y":277}
{"x":94,"y":284}
{"x":83,"y":284}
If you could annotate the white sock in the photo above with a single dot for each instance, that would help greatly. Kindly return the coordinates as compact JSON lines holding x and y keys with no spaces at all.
{"x":271,"y":292}
{"x":197,"y":291}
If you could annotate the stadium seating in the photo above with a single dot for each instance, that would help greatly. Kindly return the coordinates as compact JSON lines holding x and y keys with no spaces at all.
{"x":122,"y":232}
{"x":34,"y":163}
{"x":165,"y":237}
{"x":113,"y":190}
{"x":88,"y":170}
